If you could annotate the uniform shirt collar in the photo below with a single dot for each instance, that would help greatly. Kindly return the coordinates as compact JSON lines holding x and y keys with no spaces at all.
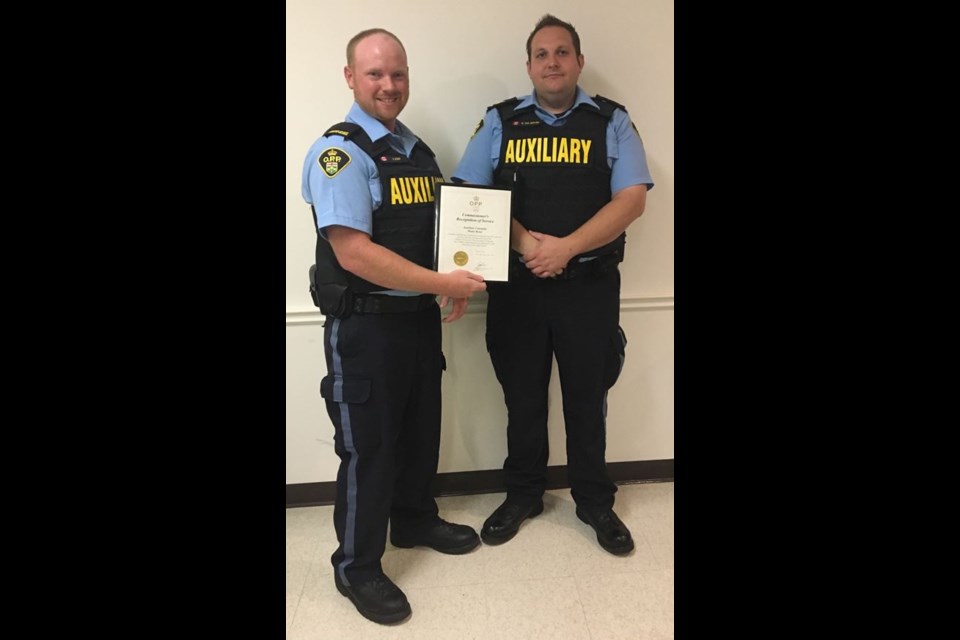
{"x":402,"y":139}
{"x":581,"y":98}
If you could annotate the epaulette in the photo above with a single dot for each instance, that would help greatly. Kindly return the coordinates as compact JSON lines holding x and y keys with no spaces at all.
{"x":352,"y":132}
{"x":608,"y":106}
{"x":507,"y":102}
{"x":345,"y":129}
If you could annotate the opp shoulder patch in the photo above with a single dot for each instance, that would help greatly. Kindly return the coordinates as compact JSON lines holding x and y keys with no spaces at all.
{"x":333,"y":161}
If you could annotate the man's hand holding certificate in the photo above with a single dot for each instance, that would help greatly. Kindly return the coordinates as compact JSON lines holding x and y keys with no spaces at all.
{"x":473,"y":230}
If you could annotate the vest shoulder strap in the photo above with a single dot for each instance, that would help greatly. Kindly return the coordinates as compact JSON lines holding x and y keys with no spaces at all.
{"x":608,"y":106}
{"x":352,"y":132}
{"x":505,"y":108}
{"x":359,"y":137}
{"x":428,"y":149}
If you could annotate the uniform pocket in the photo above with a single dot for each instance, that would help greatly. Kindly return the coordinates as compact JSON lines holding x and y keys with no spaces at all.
{"x":349,"y":390}
{"x":617,"y":356}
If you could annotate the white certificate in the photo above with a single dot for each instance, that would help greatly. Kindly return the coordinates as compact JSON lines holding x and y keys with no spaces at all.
{"x":473,"y":230}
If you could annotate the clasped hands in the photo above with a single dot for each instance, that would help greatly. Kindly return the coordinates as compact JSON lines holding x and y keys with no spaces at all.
{"x":549,"y":256}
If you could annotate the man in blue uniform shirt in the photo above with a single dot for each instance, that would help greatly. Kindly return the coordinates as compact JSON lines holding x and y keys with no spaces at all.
{"x":370,"y":183}
{"x":579,"y":177}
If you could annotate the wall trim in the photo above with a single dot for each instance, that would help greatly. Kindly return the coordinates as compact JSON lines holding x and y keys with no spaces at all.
{"x":314,"y":494}
{"x":631,"y":303}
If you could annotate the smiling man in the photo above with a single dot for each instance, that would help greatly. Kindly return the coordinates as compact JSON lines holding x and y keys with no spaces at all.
{"x":374,"y":280}
{"x":579,"y":177}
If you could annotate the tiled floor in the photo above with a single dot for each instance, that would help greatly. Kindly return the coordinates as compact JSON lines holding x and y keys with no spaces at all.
{"x":551,"y":581}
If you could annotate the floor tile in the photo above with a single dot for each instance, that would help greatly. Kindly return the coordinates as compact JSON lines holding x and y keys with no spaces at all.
{"x":552,"y":581}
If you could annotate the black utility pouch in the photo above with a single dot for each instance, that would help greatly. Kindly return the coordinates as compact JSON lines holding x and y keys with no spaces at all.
{"x":313,"y":285}
{"x":332,"y":299}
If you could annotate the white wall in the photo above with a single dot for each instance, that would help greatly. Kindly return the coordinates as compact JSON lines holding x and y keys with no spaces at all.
{"x":463,"y":58}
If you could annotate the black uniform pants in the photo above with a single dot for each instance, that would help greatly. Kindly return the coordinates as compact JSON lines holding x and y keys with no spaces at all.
{"x":382,"y":393}
{"x":529,"y":321}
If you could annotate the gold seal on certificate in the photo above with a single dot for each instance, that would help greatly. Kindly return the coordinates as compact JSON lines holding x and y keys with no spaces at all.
{"x":473,"y":230}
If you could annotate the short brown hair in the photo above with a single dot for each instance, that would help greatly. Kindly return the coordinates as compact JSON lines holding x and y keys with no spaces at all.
{"x":352,"y":45}
{"x":553,"y":21}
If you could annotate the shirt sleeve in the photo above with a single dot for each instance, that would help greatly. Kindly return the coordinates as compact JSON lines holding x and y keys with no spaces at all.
{"x":483,"y":151}
{"x":627,"y":156}
{"x":342,"y":183}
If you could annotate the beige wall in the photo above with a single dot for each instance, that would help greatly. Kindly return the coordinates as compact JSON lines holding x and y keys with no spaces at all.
{"x":463,"y":59}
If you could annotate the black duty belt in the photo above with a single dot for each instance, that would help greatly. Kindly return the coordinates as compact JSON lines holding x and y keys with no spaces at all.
{"x":379,"y":303}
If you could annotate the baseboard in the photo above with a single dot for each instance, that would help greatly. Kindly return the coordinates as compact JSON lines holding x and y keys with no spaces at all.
{"x":312,"y":494}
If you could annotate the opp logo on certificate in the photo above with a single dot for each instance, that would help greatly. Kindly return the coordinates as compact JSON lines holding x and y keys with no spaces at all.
{"x":473,"y":230}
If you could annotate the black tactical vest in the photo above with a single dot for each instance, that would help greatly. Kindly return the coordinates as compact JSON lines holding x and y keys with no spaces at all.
{"x":559,"y":175}
{"x":404,"y":223}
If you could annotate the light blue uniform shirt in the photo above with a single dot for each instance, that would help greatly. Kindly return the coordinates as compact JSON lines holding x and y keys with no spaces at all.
{"x":350,"y":197}
{"x":625,"y":154}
